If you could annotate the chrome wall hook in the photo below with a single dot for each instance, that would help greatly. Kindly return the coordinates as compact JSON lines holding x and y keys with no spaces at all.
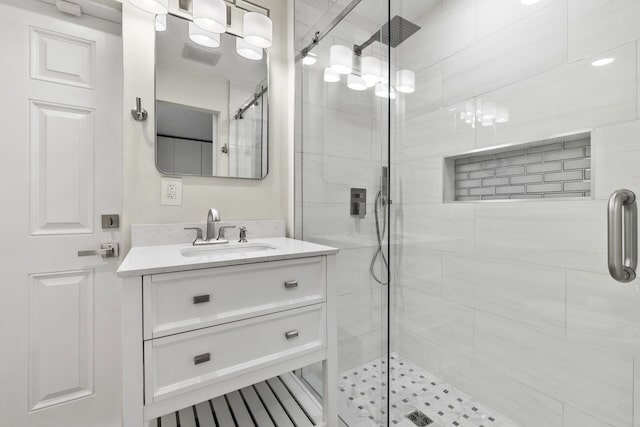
{"x":139,"y":114}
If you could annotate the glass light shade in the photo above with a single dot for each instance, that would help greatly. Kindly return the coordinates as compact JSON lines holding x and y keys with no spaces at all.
{"x":258,"y":29}
{"x":161,"y":22}
{"x":502,"y":115}
{"x":203,"y":37}
{"x":356,"y":82}
{"x":330,"y":75}
{"x":210,"y":15}
{"x":310,"y":59}
{"x":341,"y":59}
{"x":489,"y":110}
{"x":157,"y":7}
{"x":370,"y":68}
{"x":406,"y":81}
{"x":384,"y":91}
{"x":248,"y":51}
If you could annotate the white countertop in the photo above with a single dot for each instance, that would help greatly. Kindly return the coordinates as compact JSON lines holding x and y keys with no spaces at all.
{"x":142,"y":260}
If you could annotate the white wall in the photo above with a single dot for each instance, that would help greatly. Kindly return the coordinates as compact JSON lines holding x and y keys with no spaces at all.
{"x":270,"y":198}
{"x":511,"y":301}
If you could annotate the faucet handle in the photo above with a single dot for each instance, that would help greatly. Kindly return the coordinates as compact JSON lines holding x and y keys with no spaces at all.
{"x":222,"y":230}
{"x":243,"y":234}
{"x":198,"y":233}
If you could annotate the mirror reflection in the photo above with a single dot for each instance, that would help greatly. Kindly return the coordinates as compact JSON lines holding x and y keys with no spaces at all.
{"x":211,"y":104}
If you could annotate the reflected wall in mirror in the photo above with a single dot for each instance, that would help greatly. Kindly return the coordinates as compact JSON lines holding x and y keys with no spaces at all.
{"x":211,"y":106}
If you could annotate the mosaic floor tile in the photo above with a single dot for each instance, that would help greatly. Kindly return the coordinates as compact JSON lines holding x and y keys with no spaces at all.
{"x":412,"y":389}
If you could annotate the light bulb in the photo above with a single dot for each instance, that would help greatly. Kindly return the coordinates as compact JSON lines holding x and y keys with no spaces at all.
{"x":370,"y":69}
{"x":203,"y":37}
{"x":310,"y":59}
{"x":384,"y":91}
{"x":248,"y":51}
{"x":157,"y":7}
{"x":258,"y":29}
{"x":406,"y":81}
{"x":341,"y":59}
{"x":210,"y":15}
{"x":356,"y":83}
{"x":330,"y":75}
{"x":502,"y":115}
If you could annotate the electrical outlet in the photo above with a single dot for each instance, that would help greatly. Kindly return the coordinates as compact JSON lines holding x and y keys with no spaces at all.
{"x":171,"y":192}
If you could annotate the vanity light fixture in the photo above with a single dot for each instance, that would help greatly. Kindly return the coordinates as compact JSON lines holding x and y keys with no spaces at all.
{"x":331,"y":76}
{"x":371,"y":70}
{"x":210,"y":15}
{"x":383,"y":90}
{"x":258,"y":29}
{"x":157,"y":7}
{"x":602,"y":62}
{"x":310,"y":59}
{"x":406,"y":81}
{"x":341,"y":59}
{"x":161,"y":22}
{"x":203,"y":37}
{"x":355,"y":82}
{"x":248,"y":51}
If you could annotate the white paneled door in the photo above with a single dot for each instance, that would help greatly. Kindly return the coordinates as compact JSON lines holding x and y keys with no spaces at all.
{"x":60,"y":170}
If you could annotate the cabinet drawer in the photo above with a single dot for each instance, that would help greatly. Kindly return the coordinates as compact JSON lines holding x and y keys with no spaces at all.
{"x":180,"y":302}
{"x":188,"y":361}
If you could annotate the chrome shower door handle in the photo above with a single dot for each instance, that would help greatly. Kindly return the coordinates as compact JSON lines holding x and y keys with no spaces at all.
{"x":622,"y":223}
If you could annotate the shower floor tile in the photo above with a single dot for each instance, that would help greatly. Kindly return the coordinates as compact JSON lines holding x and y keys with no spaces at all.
{"x":412,"y":388}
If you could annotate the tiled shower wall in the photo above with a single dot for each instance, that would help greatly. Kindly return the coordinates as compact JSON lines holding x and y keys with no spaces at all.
{"x":512,"y":302}
{"x":555,"y":168}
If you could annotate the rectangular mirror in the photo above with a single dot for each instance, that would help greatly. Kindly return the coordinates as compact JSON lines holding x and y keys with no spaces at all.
{"x":211,"y":104}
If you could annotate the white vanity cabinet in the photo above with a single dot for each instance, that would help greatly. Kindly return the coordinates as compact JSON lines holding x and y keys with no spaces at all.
{"x":195,"y":332}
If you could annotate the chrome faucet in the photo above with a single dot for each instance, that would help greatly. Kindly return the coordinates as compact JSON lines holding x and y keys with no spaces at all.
{"x":210,"y":239}
{"x":212,"y":217}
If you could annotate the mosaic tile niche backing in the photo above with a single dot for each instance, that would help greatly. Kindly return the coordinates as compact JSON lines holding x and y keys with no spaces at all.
{"x":546,"y":169}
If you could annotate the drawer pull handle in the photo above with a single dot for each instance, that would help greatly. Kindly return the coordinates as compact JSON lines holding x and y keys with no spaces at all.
{"x":291,"y":284}
{"x":201,"y":358}
{"x":199,"y":299}
{"x":291,"y":334}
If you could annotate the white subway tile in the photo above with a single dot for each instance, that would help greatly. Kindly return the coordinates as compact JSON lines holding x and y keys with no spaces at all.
{"x":563,"y":176}
{"x":532,"y":46}
{"x":544,"y":167}
{"x":583,"y":376}
{"x":615,"y":158}
{"x":437,"y":320}
{"x":603,"y":312}
{"x":510,"y":190}
{"x":556,"y":233}
{"x":577,"y":186}
{"x":544,"y":188}
{"x":575,"y":418}
{"x":598,"y":25}
{"x":526,"y":179}
{"x":572,"y":153}
{"x":523,"y":292}
{"x":567,"y":99}
{"x":524,"y":405}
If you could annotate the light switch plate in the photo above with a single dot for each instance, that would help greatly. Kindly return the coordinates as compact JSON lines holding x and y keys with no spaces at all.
{"x":171,"y":192}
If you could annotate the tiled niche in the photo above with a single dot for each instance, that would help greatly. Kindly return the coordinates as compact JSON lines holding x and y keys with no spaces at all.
{"x":560,"y":167}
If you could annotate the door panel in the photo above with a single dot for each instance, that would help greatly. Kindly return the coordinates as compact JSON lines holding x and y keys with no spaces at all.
{"x":60,"y":169}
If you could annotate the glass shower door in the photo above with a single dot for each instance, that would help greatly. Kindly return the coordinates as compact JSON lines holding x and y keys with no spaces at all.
{"x":522,"y":123}
{"x":342,"y":148}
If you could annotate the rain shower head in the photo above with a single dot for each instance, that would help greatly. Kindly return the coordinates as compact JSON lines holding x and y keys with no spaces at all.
{"x":393,"y":33}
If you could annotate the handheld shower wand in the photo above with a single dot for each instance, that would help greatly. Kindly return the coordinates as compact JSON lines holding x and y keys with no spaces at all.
{"x":380,"y":212}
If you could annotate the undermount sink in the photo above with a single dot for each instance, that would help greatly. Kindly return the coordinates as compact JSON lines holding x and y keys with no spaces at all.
{"x":225,"y":248}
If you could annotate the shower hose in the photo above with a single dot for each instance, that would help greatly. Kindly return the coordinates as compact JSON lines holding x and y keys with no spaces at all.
{"x":381,"y":230}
